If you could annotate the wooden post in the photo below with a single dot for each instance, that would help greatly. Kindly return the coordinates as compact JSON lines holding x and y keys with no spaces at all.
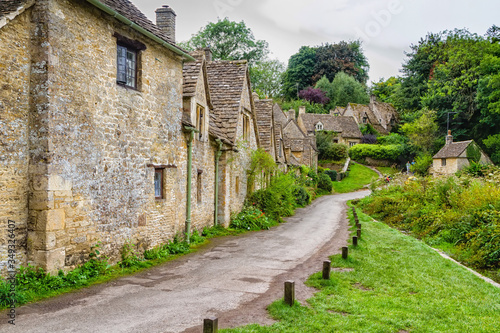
{"x":355,"y":241}
{"x":359,"y":233}
{"x":345,"y":251}
{"x":358,"y":225}
{"x":211,"y":325}
{"x":290,"y":292}
{"x":326,"y":269}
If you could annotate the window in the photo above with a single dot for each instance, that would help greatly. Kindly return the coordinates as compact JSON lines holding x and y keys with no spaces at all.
{"x":200,"y":120}
{"x":351,"y":143}
{"x":159,"y":183}
{"x":237,"y":186}
{"x":280,"y":152}
{"x":443,"y":162}
{"x":365,"y":119}
{"x":127,"y":66}
{"x":319,"y":127}
{"x":246,"y":127}
{"x":198,"y":186}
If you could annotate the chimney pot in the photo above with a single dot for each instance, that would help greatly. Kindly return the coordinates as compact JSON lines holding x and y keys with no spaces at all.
{"x":291,"y":114}
{"x":302,"y":110}
{"x":449,"y":138}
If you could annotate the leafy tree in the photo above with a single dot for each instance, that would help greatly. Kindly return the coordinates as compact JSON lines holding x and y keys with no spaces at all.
{"x":492,"y":144}
{"x":314,"y":96}
{"x":299,"y":72}
{"x":387,"y":91}
{"x":343,"y":89}
{"x":310,"y":64}
{"x":229,"y":40}
{"x":266,"y":77}
{"x":328,"y":150}
{"x":422,"y":132}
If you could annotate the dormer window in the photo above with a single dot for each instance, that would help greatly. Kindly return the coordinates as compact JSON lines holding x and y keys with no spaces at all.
{"x":365,"y":119}
{"x":319,"y":127}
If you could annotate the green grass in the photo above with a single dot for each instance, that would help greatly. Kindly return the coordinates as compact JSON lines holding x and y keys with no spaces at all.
{"x":359,"y":176}
{"x":397,"y":284}
{"x":388,"y":171}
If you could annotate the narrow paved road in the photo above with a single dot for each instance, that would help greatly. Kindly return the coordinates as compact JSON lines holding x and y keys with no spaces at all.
{"x":234,"y":278}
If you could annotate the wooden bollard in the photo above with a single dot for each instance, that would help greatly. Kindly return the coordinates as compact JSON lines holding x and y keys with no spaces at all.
{"x":345,"y":251}
{"x":356,"y":219}
{"x":211,"y":325}
{"x":359,"y":233}
{"x":290,"y":292}
{"x":326,"y":269}
{"x":355,"y":241}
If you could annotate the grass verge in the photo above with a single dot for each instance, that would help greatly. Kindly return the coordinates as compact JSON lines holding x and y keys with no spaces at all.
{"x":359,"y":176}
{"x":391,"y":283}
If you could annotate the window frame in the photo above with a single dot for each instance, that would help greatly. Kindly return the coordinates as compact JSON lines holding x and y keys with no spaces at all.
{"x":443,"y":162}
{"x":199,"y":187}
{"x":123,"y":70}
{"x":319,"y":126}
{"x":160,"y":171}
{"x":133,"y":47}
{"x":200,"y":121}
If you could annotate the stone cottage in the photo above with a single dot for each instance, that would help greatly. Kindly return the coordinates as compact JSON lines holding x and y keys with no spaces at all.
{"x":382,"y":116}
{"x":347,"y":129}
{"x":97,"y":130}
{"x":455,"y":156}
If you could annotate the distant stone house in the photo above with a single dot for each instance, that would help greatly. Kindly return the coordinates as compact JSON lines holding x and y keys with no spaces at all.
{"x":96,"y":128}
{"x":347,"y":129}
{"x":455,"y":156}
{"x":382,"y":116}
{"x":300,"y":149}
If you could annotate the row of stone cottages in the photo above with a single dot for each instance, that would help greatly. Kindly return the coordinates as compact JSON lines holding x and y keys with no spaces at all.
{"x":110,"y":132}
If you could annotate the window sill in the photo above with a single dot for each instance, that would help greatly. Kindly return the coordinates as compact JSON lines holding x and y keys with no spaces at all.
{"x":127,"y":87}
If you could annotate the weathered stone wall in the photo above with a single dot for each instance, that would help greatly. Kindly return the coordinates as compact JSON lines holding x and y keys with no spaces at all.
{"x":14,"y":111}
{"x":90,"y":172}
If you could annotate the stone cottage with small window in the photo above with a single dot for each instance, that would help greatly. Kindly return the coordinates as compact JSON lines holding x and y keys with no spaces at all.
{"x":97,"y":129}
{"x":455,"y":156}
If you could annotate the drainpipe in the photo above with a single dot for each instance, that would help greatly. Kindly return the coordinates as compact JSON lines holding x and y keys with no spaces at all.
{"x":191,"y":130}
{"x":216,"y":201}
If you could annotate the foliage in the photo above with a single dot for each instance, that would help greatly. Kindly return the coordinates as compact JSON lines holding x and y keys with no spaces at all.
{"x":324,"y":182}
{"x":261,"y":169}
{"x":314,"y":96}
{"x":369,"y":139}
{"x":368,"y":129}
{"x":266,"y":77}
{"x":310,"y":107}
{"x":422,"y":132}
{"x":392,"y":139}
{"x":422,"y":164}
{"x":459,"y":214}
{"x":359,"y":177}
{"x":130,"y":257}
{"x":302,"y":196}
{"x":310,"y":64}
{"x":492,"y":144}
{"x":228,"y":40}
{"x":328,"y":149}
{"x":378,"y":152}
{"x":332,"y":174}
{"x":473,"y":153}
{"x":386,"y":91}
{"x":251,"y":218}
{"x":344,"y":89}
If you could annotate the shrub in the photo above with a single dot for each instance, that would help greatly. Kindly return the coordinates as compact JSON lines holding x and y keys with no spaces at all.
{"x":335,"y":152}
{"x":422,"y":165}
{"x":332,"y":174}
{"x":302,"y":197}
{"x":377,"y":152}
{"x":325,"y":183}
{"x":251,"y":218}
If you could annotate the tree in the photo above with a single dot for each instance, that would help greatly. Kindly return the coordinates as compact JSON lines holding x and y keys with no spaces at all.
{"x":492,"y":144}
{"x":386,"y":91}
{"x":266,"y":77}
{"x":314,"y":96}
{"x":422,"y":132}
{"x":229,"y":40}
{"x":343,"y":89}
{"x":310,"y":64}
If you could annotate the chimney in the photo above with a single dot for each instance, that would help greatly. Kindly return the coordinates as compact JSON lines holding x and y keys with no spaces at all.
{"x":302,"y":110}
{"x":291,"y":114}
{"x":373,"y":99}
{"x":449,"y":138}
{"x":255,"y":96}
{"x":208,"y":54}
{"x":165,"y":20}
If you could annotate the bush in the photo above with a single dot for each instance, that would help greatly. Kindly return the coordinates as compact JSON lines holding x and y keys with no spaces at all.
{"x":422,"y":165}
{"x":377,"y":152}
{"x":335,"y":152}
{"x":251,"y":218}
{"x":325,"y":183}
{"x":302,"y":197}
{"x":332,"y":174}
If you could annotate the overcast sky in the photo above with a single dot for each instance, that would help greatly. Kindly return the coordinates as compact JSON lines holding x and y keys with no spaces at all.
{"x":386,"y":27}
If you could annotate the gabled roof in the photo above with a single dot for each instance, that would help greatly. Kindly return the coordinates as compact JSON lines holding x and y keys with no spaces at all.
{"x":349,"y":126}
{"x":279,"y":116}
{"x":360,"y":110}
{"x":311,"y":119}
{"x":226,"y":80}
{"x":454,"y":149}
{"x":191,"y":72}
{"x":264,"y":115}
{"x":293,"y":131}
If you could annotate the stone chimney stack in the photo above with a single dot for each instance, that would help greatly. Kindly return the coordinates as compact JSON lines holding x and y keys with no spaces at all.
{"x":255,"y":96}
{"x":291,"y":114}
{"x":302,"y":110}
{"x":449,"y":138}
{"x":208,"y":54}
{"x":165,"y":20}
{"x":373,"y":99}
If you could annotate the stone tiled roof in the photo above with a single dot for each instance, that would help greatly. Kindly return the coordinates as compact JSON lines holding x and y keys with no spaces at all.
{"x":215,"y":131}
{"x":349,"y":127}
{"x":190,"y":73}
{"x":293,"y":161}
{"x":279,"y":116}
{"x":360,"y":110}
{"x":454,"y":149}
{"x":264,"y":114}
{"x":226,"y":80}
{"x":10,"y":6}
{"x":311,"y":119}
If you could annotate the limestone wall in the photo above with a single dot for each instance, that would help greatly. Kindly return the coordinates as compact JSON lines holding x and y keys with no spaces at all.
{"x":14,"y":110}
{"x":90,"y":172}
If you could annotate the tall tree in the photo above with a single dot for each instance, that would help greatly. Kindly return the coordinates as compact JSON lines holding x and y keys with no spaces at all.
{"x":343,"y":89}
{"x":229,"y":40}
{"x":422,"y":132}
{"x":266,"y":77}
{"x":298,"y":75}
